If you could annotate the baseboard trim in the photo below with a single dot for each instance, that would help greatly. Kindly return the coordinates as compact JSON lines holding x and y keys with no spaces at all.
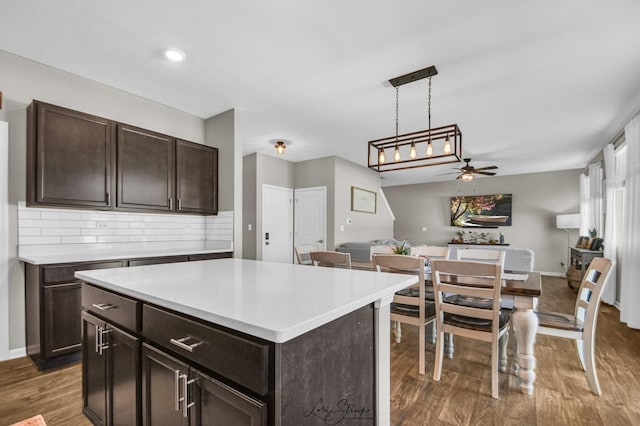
{"x":17,"y":353}
{"x":553,"y":274}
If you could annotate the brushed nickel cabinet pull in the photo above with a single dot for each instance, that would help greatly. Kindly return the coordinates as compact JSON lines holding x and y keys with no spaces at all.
{"x":177,"y":389}
{"x":185,"y":395}
{"x":187,"y":347}
{"x":170,"y":203}
{"x":104,"y":306}
{"x":179,"y":203}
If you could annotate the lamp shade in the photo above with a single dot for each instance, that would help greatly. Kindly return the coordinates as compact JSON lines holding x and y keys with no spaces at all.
{"x":568,"y":221}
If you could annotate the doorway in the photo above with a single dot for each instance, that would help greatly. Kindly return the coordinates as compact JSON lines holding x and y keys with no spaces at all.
{"x":311,"y":217}
{"x":277,"y":220}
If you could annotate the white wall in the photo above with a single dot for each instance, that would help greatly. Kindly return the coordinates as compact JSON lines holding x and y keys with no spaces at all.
{"x":537,"y":199}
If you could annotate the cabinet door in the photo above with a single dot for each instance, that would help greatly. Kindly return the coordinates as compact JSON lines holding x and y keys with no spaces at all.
{"x":123,"y":379}
{"x":196,"y":178}
{"x":145,"y":169}
{"x":61,"y":314}
{"x":71,"y":158}
{"x":94,"y":371}
{"x":161,"y":388}
{"x":218,"y":404}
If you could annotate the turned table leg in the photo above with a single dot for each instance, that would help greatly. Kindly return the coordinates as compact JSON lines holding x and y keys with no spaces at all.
{"x":525,"y":325}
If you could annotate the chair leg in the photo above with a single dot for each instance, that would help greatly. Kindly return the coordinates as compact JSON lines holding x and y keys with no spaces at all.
{"x":437,"y":366}
{"x":580,"y":347}
{"x":421,"y":349}
{"x":590,"y":361}
{"x":397,"y":331}
{"x":448,"y":343}
{"x":494,"y":370}
{"x":503,"y":342}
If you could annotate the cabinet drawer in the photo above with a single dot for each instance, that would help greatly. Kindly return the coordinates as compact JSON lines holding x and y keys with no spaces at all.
{"x":56,"y":274}
{"x":241,"y":360}
{"x":208,"y":256}
{"x":112,"y":307}
{"x":157,"y":260}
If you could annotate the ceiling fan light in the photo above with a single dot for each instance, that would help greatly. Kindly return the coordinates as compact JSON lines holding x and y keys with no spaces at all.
{"x":396,"y":154}
{"x":429,"y":152}
{"x":412,"y":151}
{"x":280,"y":147}
{"x":467,"y":176}
{"x":447,"y":146}
{"x":381,"y":157}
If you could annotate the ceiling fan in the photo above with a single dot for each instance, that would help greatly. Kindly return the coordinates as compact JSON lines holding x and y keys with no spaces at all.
{"x":469,"y":172}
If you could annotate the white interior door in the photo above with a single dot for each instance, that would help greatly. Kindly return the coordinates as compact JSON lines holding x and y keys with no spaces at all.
{"x":277,"y":224}
{"x":311,"y":217}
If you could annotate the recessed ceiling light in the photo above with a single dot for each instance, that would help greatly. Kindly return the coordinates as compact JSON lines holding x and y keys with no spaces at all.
{"x":174,"y":54}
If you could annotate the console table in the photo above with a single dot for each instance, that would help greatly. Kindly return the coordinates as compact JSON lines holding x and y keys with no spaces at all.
{"x":581,"y":258}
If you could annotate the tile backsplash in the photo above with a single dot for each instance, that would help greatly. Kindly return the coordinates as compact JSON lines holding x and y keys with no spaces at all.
{"x":65,"y":226}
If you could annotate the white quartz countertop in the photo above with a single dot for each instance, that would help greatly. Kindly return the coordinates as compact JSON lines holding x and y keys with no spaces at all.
{"x":43,"y":254}
{"x":273,"y":301}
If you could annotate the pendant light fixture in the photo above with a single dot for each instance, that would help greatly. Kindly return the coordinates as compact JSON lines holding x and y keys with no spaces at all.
{"x":430,"y":147}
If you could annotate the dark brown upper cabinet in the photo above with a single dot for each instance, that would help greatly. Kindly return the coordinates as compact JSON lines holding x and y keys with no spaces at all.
{"x":196,"y":178}
{"x":145,"y":169}
{"x":71,"y":158}
{"x":79,"y":160}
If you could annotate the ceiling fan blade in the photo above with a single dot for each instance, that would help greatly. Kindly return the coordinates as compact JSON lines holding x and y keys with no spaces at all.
{"x":486,"y":173}
{"x":487,"y":168}
{"x":459,"y":176}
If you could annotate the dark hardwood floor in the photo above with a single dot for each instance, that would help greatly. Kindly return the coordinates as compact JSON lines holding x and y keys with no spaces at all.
{"x":462,"y":397}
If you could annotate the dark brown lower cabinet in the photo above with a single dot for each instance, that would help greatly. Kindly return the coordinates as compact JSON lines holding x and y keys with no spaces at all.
{"x":110,"y":374}
{"x":173,"y":393}
{"x":62,"y":316}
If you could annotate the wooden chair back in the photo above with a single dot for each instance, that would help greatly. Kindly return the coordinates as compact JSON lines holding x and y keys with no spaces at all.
{"x":430,"y":252}
{"x":590,"y":292}
{"x":331,"y":259}
{"x":302,"y":253}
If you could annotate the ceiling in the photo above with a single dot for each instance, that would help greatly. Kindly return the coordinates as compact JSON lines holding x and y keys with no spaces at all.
{"x":534,"y":86}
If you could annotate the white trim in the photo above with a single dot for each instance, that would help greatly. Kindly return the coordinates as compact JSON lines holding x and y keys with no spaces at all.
{"x":17,"y":353}
{"x":386,"y":203}
{"x":4,"y":240}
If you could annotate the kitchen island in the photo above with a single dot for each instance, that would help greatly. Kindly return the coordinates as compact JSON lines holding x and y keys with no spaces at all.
{"x":238,"y":342}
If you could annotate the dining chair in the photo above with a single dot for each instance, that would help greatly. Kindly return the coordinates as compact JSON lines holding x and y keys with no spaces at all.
{"x":470,"y":308}
{"x":409,"y":305}
{"x":302,"y":253}
{"x":481,"y":255}
{"x":332,"y":259}
{"x":581,"y":326}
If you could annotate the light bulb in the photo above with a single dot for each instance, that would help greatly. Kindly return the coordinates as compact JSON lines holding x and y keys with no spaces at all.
{"x":381,"y":157}
{"x":280,"y":146}
{"x":412,"y":152}
{"x":467,"y":176}
{"x":174,"y":55}
{"x":429,"y":149}
{"x":396,"y":154}
{"x":447,"y":146}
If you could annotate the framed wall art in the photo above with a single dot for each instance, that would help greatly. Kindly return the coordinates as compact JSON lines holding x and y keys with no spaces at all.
{"x":363,"y":200}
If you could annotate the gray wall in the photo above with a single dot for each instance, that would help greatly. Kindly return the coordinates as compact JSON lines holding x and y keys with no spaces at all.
{"x":249,"y":208}
{"x":537,"y":199}
{"x":223,"y":131}
{"x":24,"y":80}
{"x":364,"y":226}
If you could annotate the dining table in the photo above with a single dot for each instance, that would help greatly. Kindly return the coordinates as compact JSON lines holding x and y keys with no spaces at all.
{"x":520,"y":289}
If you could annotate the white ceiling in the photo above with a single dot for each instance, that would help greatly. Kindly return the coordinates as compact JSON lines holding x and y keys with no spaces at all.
{"x":534,"y":86}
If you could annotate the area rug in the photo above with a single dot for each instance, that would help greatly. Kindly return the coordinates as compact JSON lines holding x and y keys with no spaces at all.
{"x":33,"y":421}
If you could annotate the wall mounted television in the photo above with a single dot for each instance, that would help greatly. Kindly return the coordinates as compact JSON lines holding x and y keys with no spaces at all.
{"x":481,"y":211}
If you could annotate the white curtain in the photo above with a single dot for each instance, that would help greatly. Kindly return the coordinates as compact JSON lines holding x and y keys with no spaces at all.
{"x":584,"y":204}
{"x":610,"y":226}
{"x":630,"y":273}
{"x":595,"y":197}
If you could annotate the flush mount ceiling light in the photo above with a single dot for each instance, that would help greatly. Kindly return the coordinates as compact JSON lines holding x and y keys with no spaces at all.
{"x":430,"y":147}
{"x":174,"y":55}
{"x":280,"y":147}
